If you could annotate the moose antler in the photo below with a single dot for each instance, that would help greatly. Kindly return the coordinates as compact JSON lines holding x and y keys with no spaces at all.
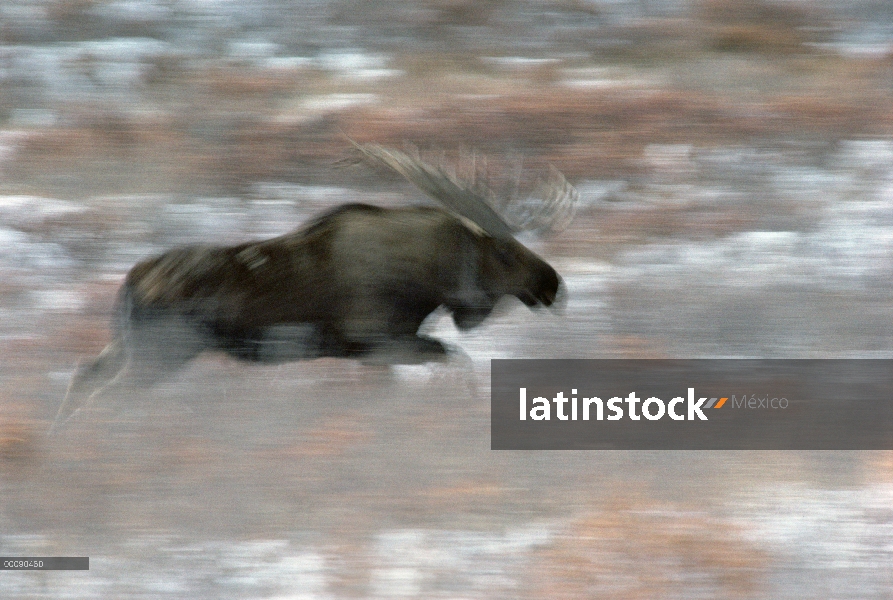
{"x":552,"y":207}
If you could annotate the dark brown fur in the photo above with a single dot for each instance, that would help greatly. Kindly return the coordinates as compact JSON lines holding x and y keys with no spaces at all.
{"x":357,"y":282}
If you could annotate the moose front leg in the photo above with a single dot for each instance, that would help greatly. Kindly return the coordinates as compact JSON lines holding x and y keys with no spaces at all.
{"x":407,"y":350}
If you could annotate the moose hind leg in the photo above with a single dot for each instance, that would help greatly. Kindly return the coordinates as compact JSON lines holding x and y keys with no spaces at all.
{"x":156,"y":351}
{"x":134,"y":361}
{"x":90,"y":378}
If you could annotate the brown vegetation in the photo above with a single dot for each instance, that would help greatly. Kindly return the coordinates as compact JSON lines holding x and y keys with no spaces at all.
{"x":760,"y":26}
{"x":635,"y":551}
{"x":589,"y":133}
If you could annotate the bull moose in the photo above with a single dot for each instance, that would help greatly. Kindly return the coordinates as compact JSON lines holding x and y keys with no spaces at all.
{"x":356,"y":282}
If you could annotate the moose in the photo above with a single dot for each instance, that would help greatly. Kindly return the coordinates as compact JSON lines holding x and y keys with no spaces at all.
{"x":356,"y":282}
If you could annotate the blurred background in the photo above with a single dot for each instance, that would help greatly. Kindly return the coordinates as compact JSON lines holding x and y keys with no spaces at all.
{"x":735,"y":165}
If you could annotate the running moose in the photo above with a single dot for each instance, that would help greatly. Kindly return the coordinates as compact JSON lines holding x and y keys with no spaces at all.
{"x":356,"y":282}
